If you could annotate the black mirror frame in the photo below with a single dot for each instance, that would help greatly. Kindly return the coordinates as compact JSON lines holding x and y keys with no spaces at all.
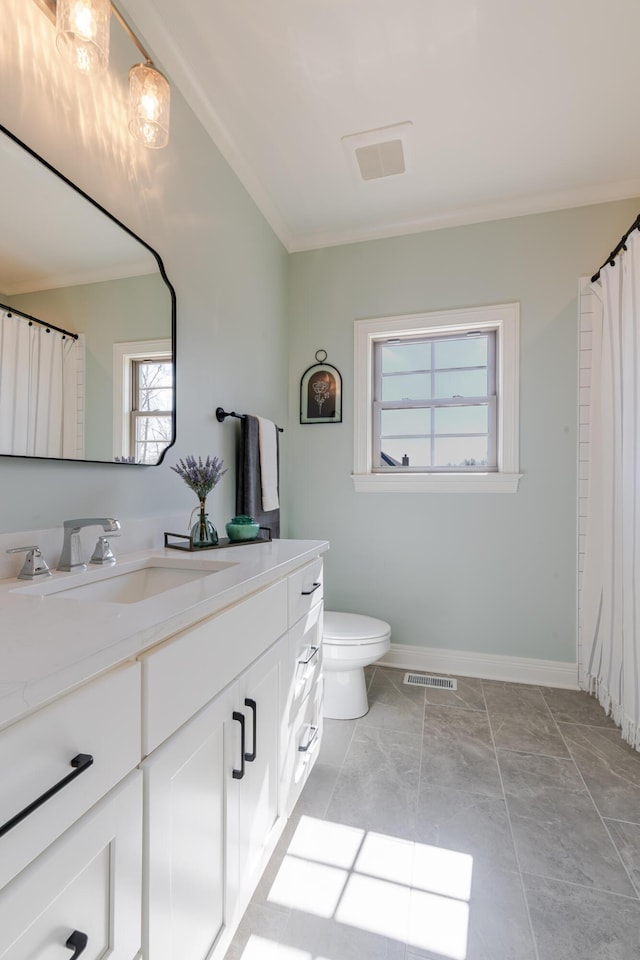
{"x":164,"y":276}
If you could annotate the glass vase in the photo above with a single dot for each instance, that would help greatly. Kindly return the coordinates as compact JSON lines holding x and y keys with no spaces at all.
{"x":203,"y":532}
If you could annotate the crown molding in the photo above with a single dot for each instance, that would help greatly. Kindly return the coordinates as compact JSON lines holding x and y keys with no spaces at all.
{"x":500,"y":210}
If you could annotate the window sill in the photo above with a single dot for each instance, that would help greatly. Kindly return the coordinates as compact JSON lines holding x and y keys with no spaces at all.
{"x":436,"y":483}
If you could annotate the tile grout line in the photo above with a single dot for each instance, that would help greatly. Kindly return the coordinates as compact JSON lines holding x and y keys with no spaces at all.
{"x":417,"y":799}
{"x":631,"y":823}
{"x":513,"y":839}
{"x":597,"y":809}
{"x":340,"y":766}
{"x":582,"y":886}
{"x":351,"y":739}
{"x":419,"y":788}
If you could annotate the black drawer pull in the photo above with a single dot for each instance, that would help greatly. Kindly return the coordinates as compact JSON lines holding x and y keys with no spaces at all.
{"x":250,"y":757}
{"x":239,"y":774}
{"x":81,"y":763}
{"x":312,"y":654}
{"x":313,"y":730}
{"x":315,"y":586}
{"x":77,"y":942}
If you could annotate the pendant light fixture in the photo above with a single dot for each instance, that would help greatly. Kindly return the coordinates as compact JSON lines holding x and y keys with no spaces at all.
{"x":82,"y":37}
{"x":82,"y":33}
{"x":149,"y":104}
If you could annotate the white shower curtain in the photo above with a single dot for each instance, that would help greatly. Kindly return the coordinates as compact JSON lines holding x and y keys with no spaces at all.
{"x":38,"y":405}
{"x":610,"y":597}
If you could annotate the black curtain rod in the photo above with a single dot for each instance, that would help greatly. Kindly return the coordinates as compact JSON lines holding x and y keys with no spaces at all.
{"x":221,"y":416}
{"x":621,"y":246}
{"x":27,"y":316}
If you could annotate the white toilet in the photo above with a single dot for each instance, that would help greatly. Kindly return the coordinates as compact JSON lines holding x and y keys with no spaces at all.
{"x":350,"y":642}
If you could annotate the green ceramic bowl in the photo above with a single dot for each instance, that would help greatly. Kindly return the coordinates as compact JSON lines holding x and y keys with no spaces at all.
{"x":242,"y":528}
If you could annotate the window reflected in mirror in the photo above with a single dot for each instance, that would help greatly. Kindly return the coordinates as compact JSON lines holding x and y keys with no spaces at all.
{"x":145,"y":387}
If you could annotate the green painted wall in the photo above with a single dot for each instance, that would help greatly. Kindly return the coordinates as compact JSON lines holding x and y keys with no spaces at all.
{"x":487,"y":573}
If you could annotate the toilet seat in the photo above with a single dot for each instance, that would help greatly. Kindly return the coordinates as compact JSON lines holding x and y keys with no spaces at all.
{"x":353,"y":628}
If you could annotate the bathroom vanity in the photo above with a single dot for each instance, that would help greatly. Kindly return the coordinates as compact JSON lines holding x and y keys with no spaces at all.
{"x":155,"y":734}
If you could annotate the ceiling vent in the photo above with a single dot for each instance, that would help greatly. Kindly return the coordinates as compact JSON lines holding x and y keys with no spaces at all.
{"x":379,"y":153}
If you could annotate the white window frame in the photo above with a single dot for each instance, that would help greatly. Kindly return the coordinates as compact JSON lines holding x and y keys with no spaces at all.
{"x":123,"y":355}
{"x":504,"y":318}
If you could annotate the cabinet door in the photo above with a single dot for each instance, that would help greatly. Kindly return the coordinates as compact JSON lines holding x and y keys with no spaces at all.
{"x":86,"y":886}
{"x":260,"y":700}
{"x":186,"y":911}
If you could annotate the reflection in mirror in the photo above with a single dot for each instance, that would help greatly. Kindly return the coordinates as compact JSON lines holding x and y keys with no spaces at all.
{"x":87,"y":324}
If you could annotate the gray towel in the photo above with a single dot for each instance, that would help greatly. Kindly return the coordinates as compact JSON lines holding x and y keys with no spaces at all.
{"x":249,"y":487}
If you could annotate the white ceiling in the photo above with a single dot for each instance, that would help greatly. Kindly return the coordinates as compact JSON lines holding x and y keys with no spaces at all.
{"x":517,"y":106}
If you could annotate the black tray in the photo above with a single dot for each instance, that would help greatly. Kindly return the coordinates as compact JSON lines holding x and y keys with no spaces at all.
{"x":188,"y":545}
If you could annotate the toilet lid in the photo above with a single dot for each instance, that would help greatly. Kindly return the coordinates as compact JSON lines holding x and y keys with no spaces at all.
{"x":353,"y":627}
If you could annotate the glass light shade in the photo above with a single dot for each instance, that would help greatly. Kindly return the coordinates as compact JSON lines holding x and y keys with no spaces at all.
{"x":149,"y":105}
{"x":82,"y":33}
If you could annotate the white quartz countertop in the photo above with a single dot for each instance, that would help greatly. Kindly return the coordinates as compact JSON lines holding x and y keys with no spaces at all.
{"x":51,"y":643}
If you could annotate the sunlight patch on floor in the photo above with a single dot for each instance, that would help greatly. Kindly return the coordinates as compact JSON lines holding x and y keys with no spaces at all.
{"x":309,"y":887}
{"x":409,"y":892}
{"x":259,"y":948}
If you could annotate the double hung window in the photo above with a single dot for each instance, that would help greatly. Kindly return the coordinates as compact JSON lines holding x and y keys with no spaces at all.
{"x":143,"y":400}
{"x":436,"y":401}
{"x":434,"y":406}
{"x":151,"y":408}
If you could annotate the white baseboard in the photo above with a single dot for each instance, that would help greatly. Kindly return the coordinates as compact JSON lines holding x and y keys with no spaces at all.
{"x":488,"y":666}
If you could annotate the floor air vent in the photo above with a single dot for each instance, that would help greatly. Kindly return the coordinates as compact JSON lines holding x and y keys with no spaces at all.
{"x":424,"y":680}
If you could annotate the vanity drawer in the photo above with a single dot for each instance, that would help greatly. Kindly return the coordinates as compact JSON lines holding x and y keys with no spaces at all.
{"x":305,"y":589}
{"x":305,"y":656}
{"x":87,"y":884}
{"x":304,"y":746}
{"x":184,"y":673}
{"x":100,"y":724}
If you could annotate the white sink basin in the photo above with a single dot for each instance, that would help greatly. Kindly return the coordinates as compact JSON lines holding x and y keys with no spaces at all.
{"x":118,"y":585}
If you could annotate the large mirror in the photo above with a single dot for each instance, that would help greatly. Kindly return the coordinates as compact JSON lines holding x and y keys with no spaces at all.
{"x":87,"y":324}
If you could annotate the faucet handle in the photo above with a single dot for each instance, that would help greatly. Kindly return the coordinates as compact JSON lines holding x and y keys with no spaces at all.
{"x":103,"y":552}
{"x":34,"y":565}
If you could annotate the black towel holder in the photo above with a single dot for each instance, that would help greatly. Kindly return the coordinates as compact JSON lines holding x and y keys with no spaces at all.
{"x":222,"y":414}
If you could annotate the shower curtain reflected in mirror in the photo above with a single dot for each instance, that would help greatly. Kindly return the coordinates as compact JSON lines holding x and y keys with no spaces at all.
{"x":610,"y":595}
{"x":41,"y":390}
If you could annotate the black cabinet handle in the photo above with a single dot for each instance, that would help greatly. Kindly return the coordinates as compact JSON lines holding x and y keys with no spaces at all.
{"x":239,"y":774}
{"x":307,"y":593}
{"x":313,"y":731}
{"x":81,"y":763}
{"x":312,"y":654}
{"x":250,"y":757}
{"x":77,"y":942}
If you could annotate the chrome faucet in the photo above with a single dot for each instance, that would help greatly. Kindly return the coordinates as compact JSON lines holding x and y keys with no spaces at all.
{"x":71,"y":556}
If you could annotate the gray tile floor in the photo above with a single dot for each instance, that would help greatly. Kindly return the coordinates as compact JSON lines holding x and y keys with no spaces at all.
{"x":501,"y":822}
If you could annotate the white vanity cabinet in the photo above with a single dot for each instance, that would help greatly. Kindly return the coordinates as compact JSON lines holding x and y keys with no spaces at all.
{"x":212,"y":783}
{"x":138,"y":810}
{"x":83,"y":893}
{"x":218,"y":787}
{"x":71,"y":825}
{"x":212,"y":814}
